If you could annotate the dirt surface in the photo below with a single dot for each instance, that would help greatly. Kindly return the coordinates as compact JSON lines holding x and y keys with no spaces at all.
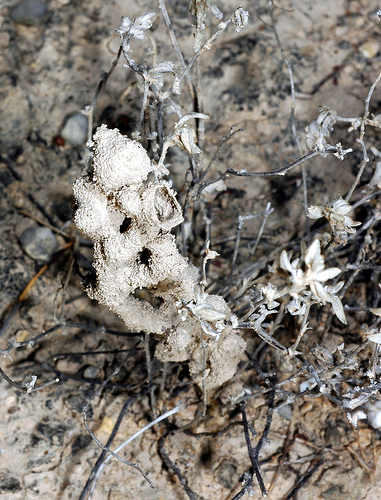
{"x":50,"y":71}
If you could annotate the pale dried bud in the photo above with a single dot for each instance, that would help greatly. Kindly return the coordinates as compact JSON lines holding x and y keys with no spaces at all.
{"x":240,"y":19}
{"x":319,"y":130}
{"x":336,"y":214}
{"x":186,"y":139}
{"x":184,"y":135}
{"x":157,"y":73}
{"x":135,"y":28}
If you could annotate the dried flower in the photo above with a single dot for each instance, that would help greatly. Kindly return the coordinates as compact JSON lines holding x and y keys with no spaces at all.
{"x":240,"y":19}
{"x":319,"y":130}
{"x":340,"y":153}
{"x":270,"y":292}
{"x":200,"y":6}
{"x":212,"y":313}
{"x":336,"y":214}
{"x":183,"y":135}
{"x":374,"y":334}
{"x":315,"y":273}
{"x":297,"y":307}
{"x":313,"y":278}
{"x":135,"y":28}
{"x":157,"y":73}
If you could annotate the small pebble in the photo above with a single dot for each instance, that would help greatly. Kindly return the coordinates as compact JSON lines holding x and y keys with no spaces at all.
{"x":373,"y":412}
{"x":10,"y":401}
{"x":369,"y":49}
{"x":307,"y":407}
{"x":90,"y":372}
{"x":22,"y":335}
{"x":307,"y":384}
{"x":226,"y":473}
{"x":29,"y":12}
{"x":334,"y":493}
{"x":75,"y":130}
{"x":107,"y":425}
{"x":332,"y":435}
{"x":285,"y":412}
{"x":39,"y":243}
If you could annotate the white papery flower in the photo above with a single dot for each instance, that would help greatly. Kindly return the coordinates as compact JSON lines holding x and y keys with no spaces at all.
{"x":374,"y":334}
{"x":319,"y":130}
{"x":297,"y":307}
{"x":184,"y":135}
{"x":157,"y":73}
{"x":315,"y":273}
{"x":240,"y":19}
{"x":135,"y":28}
{"x":270,"y":293}
{"x":313,"y":278}
{"x":336,"y":214}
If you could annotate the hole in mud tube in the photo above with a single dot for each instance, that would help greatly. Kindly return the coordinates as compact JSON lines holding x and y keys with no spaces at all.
{"x":125,"y":225}
{"x":145,"y":256}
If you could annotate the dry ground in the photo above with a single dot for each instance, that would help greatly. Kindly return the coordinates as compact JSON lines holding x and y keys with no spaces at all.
{"x":49,"y":72}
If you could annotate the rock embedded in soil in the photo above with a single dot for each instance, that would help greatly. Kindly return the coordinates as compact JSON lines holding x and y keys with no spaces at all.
{"x":91,"y":372}
{"x":29,"y":13}
{"x":225,"y":473}
{"x":39,"y":243}
{"x":10,"y":484}
{"x":75,"y":130}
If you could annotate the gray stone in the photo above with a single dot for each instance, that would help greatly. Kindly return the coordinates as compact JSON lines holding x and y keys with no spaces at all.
{"x":286,"y":412}
{"x":332,"y":435}
{"x":226,"y":473}
{"x":39,"y":243}
{"x":29,"y":12}
{"x":10,"y":484}
{"x":75,"y":130}
{"x":91,"y":372}
{"x":334,"y":493}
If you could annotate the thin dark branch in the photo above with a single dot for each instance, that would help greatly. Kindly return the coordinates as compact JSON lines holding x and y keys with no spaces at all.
{"x":101,"y":445}
{"x":278,"y":171}
{"x":67,"y":376}
{"x":264,"y":437}
{"x":314,"y":465}
{"x":224,"y":140}
{"x":104,"y":77}
{"x":129,"y":402}
{"x":27,"y":387}
{"x":226,"y":429}
{"x":41,"y":209}
{"x":176,"y":471}
{"x":253,"y":452}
